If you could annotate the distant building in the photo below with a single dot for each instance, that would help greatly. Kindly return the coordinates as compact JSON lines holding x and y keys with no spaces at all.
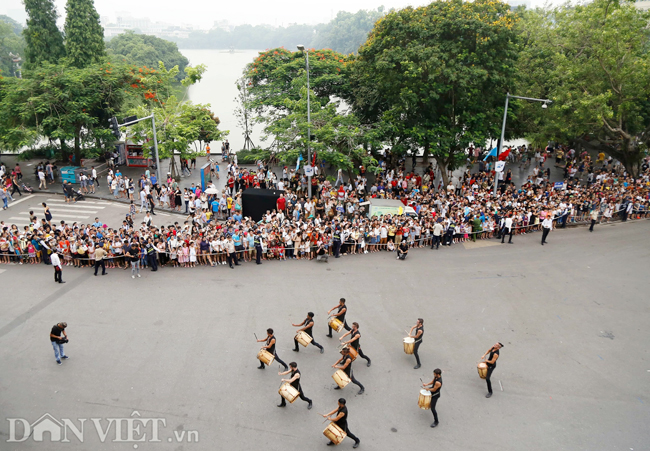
{"x":124,"y":21}
{"x":644,"y":5}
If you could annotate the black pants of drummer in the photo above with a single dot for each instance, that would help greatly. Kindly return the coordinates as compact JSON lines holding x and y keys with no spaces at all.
{"x":434,"y":400}
{"x":295,"y":344}
{"x":362,"y":355}
{"x":351,"y":435}
{"x":487,"y":379}
{"x":415,"y":351}
{"x":301,"y":394}
{"x":345,"y":326}
{"x":277,"y":359}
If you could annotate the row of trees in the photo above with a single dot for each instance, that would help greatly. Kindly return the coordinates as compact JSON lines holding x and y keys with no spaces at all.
{"x":71,"y":87}
{"x":345,"y":33}
{"x":433,"y":79}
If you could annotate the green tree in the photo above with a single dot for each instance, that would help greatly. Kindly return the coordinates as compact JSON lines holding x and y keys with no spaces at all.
{"x":180,"y":124}
{"x":593,"y":61}
{"x":143,"y":50}
{"x":347,"y":31}
{"x":84,"y":36}
{"x":68,"y":104}
{"x":277,"y":75}
{"x":44,"y":40}
{"x":434,"y":78}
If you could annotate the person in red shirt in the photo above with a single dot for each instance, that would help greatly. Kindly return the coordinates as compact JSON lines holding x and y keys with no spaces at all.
{"x":281,"y":203}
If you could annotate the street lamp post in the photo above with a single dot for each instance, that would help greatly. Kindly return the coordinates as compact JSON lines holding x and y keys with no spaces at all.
{"x":545,"y":103}
{"x":302,"y":49}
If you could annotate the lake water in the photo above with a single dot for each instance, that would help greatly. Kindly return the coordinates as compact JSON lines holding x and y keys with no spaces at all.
{"x":217,"y":87}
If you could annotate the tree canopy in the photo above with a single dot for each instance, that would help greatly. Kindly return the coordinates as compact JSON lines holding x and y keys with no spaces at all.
{"x":11,"y":42}
{"x":435,"y":77}
{"x":144,"y":50}
{"x":84,"y":36}
{"x":347,"y":31}
{"x":593,"y":61}
{"x":44,"y":39}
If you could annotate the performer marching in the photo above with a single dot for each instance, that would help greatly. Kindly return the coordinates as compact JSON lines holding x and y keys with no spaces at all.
{"x":434,"y":387}
{"x":355,"y":341}
{"x":491,"y":364}
{"x":341,"y":420}
{"x":307,"y":326}
{"x":270,"y":347}
{"x":345,"y":364}
{"x":340,"y":315}
{"x":295,"y":382}
{"x":419,"y":332}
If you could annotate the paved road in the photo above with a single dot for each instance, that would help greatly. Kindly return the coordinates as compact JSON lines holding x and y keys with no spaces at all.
{"x":179,"y":345}
{"x":82,"y":212}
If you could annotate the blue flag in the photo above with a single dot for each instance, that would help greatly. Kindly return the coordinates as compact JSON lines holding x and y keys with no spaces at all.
{"x":491,"y":153}
{"x":298,"y":162}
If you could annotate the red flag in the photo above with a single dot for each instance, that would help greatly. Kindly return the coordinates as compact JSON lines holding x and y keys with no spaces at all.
{"x":504,"y":155}
{"x":313,"y":163}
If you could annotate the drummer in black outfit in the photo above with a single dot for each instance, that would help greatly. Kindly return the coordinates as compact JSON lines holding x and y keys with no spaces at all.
{"x":341,"y":420}
{"x":307,"y":326}
{"x":340,"y":315}
{"x":491,"y":364}
{"x":355,"y":341}
{"x":419,"y":332}
{"x":345,"y":364}
{"x":434,"y":387}
{"x":270,"y":347}
{"x":295,"y":382}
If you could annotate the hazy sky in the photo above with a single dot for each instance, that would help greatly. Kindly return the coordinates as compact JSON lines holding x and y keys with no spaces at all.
{"x":202,"y":14}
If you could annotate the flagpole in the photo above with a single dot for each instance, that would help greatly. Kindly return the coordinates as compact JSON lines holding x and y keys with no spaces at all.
{"x":503,"y":131}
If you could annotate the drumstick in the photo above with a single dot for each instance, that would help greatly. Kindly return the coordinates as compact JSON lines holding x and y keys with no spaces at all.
{"x":255,"y":335}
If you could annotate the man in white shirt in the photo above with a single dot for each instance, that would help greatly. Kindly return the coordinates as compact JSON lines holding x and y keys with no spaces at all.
{"x":41,"y":179}
{"x":507,"y":229}
{"x":56,"y":262}
{"x":547,"y":226}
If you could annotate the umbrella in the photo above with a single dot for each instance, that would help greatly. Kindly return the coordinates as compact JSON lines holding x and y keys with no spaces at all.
{"x":211,"y":191}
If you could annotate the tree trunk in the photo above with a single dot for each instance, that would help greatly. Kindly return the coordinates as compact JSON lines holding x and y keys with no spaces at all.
{"x":442,"y":165}
{"x":425,"y":154}
{"x":64,"y":151}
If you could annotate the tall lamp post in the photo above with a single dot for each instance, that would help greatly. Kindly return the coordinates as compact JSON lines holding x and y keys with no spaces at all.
{"x":302,"y":49}
{"x":545,"y":103}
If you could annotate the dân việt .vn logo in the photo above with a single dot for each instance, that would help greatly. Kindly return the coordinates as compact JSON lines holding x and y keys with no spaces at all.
{"x":134,"y":429}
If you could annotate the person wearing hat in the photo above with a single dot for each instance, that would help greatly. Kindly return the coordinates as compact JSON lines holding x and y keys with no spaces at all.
{"x":307,"y":326}
{"x":491,"y":364}
{"x":434,"y":387}
{"x":341,"y":420}
{"x":257,"y":240}
{"x":58,"y":337}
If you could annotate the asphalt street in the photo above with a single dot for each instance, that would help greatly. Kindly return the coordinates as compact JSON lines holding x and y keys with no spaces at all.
{"x":178,"y":346}
{"x":82,"y":212}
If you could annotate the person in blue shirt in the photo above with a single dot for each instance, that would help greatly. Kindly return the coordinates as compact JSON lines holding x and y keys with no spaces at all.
{"x":97,"y":223}
{"x":215,"y":207}
{"x":153,"y":179}
{"x":237,"y":217}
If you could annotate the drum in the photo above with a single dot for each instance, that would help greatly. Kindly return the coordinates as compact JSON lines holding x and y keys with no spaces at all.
{"x":424,"y":400}
{"x":335,"y":324}
{"x":341,"y":378}
{"x":409,"y":345}
{"x":334,"y":432}
{"x":265,"y":357}
{"x":482,"y":370}
{"x":288,"y":392}
{"x":353,"y":352}
{"x":303,"y":338}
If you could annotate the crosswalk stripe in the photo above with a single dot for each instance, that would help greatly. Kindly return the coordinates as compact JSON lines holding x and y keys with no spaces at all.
{"x":76,"y":210}
{"x":72,"y":206}
{"x":60,"y":215}
{"x":85,"y":201}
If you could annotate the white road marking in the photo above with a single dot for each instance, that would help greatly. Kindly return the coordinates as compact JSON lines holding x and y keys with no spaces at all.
{"x":60,"y":215}
{"x":66,"y":207}
{"x":85,"y":201}
{"x":21,"y":200}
